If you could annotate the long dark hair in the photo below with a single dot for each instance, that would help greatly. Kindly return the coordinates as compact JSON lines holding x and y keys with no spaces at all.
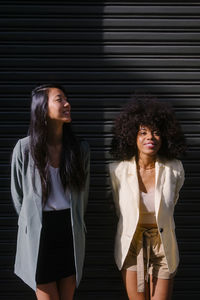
{"x":72,"y":172}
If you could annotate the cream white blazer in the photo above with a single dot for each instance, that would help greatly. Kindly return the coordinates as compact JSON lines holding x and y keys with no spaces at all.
{"x":168,"y":182}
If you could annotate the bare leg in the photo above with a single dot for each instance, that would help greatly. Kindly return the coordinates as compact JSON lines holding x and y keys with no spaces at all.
{"x":48,"y":291}
{"x":161,"y":289}
{"x":130,"y":282}
{"x":67,"y":287}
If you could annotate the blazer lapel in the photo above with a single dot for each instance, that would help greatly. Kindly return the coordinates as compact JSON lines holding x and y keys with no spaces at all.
{"x":159,"y":181}
{"x":38,"y":193}
{"x":132,"y":180}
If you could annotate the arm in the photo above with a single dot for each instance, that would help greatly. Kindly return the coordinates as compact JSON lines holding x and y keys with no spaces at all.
{"x":180,"y":181}
{"x":114,"y":185}
{"x":16,"y":177}
{"x":86,"y":158}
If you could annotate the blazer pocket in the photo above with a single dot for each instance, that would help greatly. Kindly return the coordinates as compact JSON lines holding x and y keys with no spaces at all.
{"x":25,"y":222}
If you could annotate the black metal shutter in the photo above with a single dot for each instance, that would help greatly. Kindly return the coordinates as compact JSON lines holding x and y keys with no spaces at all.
{"x":101,"y":52}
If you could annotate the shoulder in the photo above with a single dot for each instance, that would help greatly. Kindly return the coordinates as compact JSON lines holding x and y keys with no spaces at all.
{"x":22,"y":145}
{"x":25,"y":142}
{"x":117,"y":166}
{"x":174,"y":164}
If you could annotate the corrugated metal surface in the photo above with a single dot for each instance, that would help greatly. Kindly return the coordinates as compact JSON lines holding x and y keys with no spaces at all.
{"x":102,"y":52}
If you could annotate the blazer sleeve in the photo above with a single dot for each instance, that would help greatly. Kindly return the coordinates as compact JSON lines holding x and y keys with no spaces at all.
{"x":114,"y":185}
{"x":16,"y":177}
{"x":180,"y":181}
{"x":86,"y":158}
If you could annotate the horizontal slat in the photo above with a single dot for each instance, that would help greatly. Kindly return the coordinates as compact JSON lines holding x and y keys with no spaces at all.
{"x":176,"y":9}
{"x":109,"y":89}
{"x":90,"y":49}
{"x":103,"y":76}
{"x":93,"y":37}
{"x":95,"y":24}
{"x":99,"y":63}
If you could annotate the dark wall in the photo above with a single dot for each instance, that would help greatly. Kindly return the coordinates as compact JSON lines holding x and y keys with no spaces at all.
{"x":101,"y":52}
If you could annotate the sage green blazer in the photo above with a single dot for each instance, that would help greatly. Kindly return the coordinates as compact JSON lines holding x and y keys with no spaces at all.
{"x":28,"y":205}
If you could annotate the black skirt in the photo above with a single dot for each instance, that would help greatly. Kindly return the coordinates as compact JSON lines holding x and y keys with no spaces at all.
{"x":56,"y":251}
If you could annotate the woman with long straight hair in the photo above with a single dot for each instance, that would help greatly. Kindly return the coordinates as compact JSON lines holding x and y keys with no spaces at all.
{"x":49,"y":187}
{"x":146,"y":180}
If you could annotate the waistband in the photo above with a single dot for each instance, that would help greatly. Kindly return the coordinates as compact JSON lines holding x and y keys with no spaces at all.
{"x":56,"y":212}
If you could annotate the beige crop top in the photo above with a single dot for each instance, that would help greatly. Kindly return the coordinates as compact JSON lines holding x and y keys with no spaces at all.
{"x":147,"y":208}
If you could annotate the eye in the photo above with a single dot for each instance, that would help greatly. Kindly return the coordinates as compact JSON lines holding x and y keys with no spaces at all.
{"x":142,"y":132}
{"x":58,"y":99}
{"x":156,"y":132}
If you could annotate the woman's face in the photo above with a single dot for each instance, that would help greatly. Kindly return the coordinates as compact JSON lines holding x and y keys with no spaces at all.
{"x":148,"y":141}
{"x":58,"y":106}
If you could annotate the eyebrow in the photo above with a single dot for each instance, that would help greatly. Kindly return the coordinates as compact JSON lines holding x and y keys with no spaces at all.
{"x":60,"y":95}
{"x":142,"y":128}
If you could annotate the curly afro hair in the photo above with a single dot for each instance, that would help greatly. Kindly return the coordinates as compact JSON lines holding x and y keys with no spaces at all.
{"x":146,"y":111}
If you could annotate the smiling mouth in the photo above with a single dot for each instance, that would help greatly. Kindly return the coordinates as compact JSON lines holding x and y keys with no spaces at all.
{"x":66,"y":113}
{"x":150,"y":145}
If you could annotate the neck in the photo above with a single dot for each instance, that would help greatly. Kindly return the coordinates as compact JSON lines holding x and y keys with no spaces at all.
{"x":146,"y":162}
{"x":55,"y":133}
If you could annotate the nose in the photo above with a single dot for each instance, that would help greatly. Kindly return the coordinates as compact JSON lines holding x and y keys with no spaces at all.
{"x":150,"y":135}
{"x":67,"y":104}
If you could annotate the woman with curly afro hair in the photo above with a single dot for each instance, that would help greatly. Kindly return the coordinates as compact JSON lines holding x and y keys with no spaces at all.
{"x":146,"y":179}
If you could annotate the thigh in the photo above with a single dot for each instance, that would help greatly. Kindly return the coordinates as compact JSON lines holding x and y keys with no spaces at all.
{"x":67,"y":287}
{"x":47,"y":291}
{"x":130,"y":282}
{"x":160,"y":289}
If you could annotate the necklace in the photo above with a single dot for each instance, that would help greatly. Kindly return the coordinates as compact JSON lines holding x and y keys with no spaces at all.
{"x":146,"y":169}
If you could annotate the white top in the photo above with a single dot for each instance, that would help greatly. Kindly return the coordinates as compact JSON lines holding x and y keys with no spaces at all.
{"x":147,"y":207}
{"x":58,"y":199}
